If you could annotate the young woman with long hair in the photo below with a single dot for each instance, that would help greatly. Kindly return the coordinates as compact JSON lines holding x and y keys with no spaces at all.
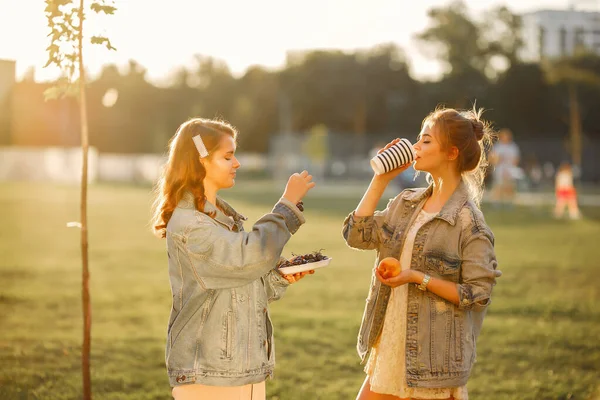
{"x":220,"y":337}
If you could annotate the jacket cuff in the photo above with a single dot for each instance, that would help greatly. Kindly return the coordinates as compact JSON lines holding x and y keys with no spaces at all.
{"x":469,"y":301}
{"x":363,"y":226}
{"x":292,"y":215}
{"x":357,"y":221}
{"x":278,"y":279}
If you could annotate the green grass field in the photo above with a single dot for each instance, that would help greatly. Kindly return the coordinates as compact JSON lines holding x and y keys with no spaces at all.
{"x":540,"y":339}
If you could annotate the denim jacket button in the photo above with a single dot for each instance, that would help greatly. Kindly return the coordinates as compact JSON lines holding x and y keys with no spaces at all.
{"x":265,"y":310}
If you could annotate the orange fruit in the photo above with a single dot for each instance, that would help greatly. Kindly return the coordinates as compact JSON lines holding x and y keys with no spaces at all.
{"x":389,"y":267}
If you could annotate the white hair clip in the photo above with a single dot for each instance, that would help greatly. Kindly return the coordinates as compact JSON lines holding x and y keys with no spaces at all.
{"x":200,"y":146}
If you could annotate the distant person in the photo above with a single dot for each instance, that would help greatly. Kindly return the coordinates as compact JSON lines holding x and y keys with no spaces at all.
{"x":566,"y":195}
{"x":420,"y":325}
{"x":219,"y":336}
{"x":505,"y":159}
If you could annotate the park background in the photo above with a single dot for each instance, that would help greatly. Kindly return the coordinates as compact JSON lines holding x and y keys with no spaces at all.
{"x":324,"y":106}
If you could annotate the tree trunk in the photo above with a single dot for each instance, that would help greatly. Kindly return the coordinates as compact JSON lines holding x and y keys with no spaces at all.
{"x":85,"y":295}
{"x":575,"y":126}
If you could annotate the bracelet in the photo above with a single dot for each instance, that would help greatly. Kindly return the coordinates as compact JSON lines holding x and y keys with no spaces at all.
{"x":300,"y":206}
{"x":423,"y":285}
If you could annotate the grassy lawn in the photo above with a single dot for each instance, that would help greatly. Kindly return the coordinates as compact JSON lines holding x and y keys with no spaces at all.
{"x":540,"y":339}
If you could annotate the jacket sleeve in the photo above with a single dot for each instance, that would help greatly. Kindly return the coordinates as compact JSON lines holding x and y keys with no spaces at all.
{"x":365,"y":233}
{"x":478,"y":272}
{"x":223,"y":259}
{"x":275,"y":284}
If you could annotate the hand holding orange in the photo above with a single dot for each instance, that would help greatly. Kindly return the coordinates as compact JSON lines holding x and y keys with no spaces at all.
{"x":389,"y":267}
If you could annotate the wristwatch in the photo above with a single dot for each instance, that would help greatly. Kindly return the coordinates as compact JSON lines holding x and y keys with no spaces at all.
{"x":423,"y":285}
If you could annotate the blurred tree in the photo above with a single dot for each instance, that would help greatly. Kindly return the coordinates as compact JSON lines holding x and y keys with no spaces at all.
{"x":255,"y":108}
{"x":325,"y":87}
{"x":216,"y":85}
{"x":522,"y":99}
{"x":502,"y":31}
{"x":367,"y":91}
{"x":455,"y":39}
{"x":65,"y":20}
{"x":137,"y":124}
{"x":391,"y":95}
{"x":466,"y":45}
{"x":577,"y":72}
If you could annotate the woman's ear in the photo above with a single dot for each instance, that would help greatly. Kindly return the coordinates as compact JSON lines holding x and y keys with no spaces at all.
{"x":453,"y":153}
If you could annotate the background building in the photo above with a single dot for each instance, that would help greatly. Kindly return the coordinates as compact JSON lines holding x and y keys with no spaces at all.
{"x":556,"y":33}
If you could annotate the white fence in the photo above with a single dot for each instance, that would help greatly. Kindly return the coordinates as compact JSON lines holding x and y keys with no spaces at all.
{"x":55,"y":164}
{"x":61,"y":164}
{"x":132,"y":168}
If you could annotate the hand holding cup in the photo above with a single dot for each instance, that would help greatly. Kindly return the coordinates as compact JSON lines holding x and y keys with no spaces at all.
{"x":393,"y":159}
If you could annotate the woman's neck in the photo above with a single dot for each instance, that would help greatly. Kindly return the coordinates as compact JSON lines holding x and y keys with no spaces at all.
{"x":444,"y":184}
{"x":211,"y":194}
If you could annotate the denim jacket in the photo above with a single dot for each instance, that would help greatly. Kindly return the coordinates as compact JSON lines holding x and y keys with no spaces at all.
{"x":222,"y":279}
{"x":456,"y":246}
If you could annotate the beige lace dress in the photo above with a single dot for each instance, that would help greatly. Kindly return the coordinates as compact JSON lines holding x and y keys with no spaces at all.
{"x":386,"y":366}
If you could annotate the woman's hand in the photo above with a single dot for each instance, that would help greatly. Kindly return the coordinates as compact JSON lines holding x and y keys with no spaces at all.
{"x":406,"y":276}
{"x":298,"y":185}
{"x":389,"y":176}
{"x":293,"y":278}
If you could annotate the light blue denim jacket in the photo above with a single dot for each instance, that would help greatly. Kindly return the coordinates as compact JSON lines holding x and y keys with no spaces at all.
{"x":456,"y":246}
{"x":222,"y":279}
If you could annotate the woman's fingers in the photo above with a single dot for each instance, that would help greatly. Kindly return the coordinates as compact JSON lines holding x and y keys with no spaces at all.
{"x":293,"y":278}
{"x":387,"y":146}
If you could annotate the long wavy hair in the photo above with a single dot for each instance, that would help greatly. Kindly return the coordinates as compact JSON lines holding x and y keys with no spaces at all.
{"x":183,"y":171}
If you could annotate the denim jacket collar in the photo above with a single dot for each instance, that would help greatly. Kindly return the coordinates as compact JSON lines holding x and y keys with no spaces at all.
{"x":229,"y":217}
{"x":450,"y":210}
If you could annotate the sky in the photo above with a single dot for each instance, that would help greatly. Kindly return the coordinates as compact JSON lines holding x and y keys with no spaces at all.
{"x":162,"y":36}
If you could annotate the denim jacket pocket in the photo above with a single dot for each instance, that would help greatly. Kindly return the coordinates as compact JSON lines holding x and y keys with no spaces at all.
{"x":458,"y":338}
{"x":227,"y":335}
{"x":269,"y":341}
{"x":367,"y":322}
{"x":443,"y":266}
{"x":387,"y":232}
{"x":463,"y":351}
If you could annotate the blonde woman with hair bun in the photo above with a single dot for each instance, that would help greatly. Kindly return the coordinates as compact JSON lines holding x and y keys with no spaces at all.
{"x":435,"y":266}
